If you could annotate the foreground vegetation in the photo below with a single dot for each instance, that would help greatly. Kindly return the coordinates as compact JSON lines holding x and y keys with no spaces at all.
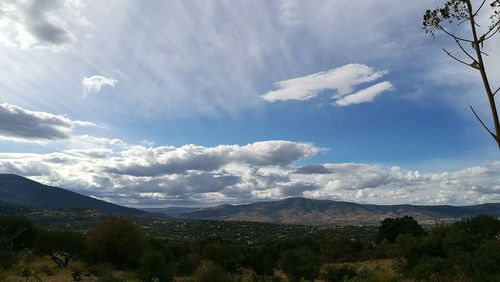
{"x":119,"y":249}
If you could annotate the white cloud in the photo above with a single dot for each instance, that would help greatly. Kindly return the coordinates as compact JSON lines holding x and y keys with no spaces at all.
{"x":156,"y":161}
{"x":18,"y":124}
{"x":94,"y":83}
{"x":365,"y":95}
{"x":39,"y":24}
{"x":288,"y":16}
{"x":197,"y":175}
{"x":237,"y":49}
{"x":342,"y":80}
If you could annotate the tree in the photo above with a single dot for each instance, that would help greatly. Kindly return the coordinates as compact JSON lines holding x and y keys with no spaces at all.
{"x":60,"y":245}
{"x":118,"y":241}
{"x":154,"y":266}
{"x":19,"y":229}
{"x":391,"y":228}
{"x":480,"y":227}
{"x":225,"y":255}
{"x":462,"y":11}
{"x":300,"y":263}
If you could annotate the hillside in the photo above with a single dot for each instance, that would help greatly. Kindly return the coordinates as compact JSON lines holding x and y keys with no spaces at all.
{"x":22,"y":192}
{"x":309,"y":211}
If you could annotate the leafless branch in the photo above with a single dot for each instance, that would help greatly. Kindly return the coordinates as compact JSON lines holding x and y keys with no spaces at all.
{"x":479,"y":9}
{"x":496,"y":91}
{"x":454,"y":36}
{"x":484,"y":125}
{"x":486,"y":36}
{"x":465,"y":51}
{"x":458,"y":60}
{"x":463,"y":21}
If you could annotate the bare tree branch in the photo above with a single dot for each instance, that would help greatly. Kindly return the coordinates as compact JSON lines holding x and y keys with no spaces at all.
{"x":484,"y":77}
{"x":454,"y":36}
{"x":460,"y":61}
{"x":463,"y":11}
{"x":485,"y":36}
{"x":465,"y":51}
{"x":479,"y":9}
{"x":484,"y":125}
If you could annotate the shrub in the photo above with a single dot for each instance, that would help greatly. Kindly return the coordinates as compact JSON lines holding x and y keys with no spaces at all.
{"x":153,"y":265}
{"x":391,"y":228}
{"x":60,"y":245}
{"x":19,"y":230}
{"x":299,"y":263}
{"x":188,"y":264}
{"x":210,"y":272}
{"x":118,"y":241}
{"x":338,"y":272}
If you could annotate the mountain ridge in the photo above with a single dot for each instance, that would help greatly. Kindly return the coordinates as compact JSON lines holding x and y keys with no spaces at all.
{"x":299,"y":210}
{"x":22,"y":192}
{"x":26,"y":193}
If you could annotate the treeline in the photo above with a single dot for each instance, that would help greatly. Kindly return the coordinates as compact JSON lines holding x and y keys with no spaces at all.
{"x":468,"y":250}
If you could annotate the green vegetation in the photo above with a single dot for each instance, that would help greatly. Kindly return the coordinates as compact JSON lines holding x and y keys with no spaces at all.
{"x":119,"y":249}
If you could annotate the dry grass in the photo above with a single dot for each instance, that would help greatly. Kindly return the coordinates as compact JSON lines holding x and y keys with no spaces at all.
{"x":382,"y":269}
{"x":44,"y":269}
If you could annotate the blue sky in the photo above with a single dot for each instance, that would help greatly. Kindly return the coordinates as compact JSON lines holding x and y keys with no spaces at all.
{"x":196,"y":103}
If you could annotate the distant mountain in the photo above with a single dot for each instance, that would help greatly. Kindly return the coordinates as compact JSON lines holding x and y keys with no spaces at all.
{"x":309,"y":211}
{"x":22,"y":192}
{"x":171,"y":211}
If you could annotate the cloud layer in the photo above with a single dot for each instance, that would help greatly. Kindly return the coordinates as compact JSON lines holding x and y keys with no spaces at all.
{"x":41,"y":24}
{"x":193,"y":175}
{"x":341,"y":80}
{"x":18,"y":124}
{"x":144,"y":161}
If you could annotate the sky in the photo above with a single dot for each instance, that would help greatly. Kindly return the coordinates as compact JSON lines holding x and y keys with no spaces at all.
{"x":200,"y":103}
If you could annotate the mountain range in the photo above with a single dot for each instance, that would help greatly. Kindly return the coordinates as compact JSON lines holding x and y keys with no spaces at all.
{"x":310,"y":211}
{"x":20,"y":192}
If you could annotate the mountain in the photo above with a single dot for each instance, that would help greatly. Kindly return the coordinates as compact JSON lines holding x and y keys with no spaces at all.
{"x":171,"y":211}
{"x":22,"y":192}
{"x":309,"y":211}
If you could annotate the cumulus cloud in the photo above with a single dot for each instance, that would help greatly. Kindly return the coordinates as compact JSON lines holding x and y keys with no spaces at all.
{"x":143,"y":175}
{"x":342,"y":80}
{"x":94,"y":83}
{"x":144,"y":161}
{"x":312,"y":169}
{"x":365,"y":95}
{"x":18,"y":124}
{"x":199,"y":176}
{"x":42,"y":24}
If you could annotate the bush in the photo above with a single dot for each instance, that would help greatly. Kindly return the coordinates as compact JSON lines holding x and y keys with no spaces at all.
{"x":60,"y":245}
{"x":429,"y":269}
{"x":485,"y":262}
{"x":391,"y":228}
{"x":465,"y":251}
{"x":210,"y":272}
{"x":188,"y":264}
{"x":8,"y":256}
{"x":153,"y":265}
{"x":480,"y":227}
{"x":225,"y":255}
{"x":19,"y":230}
{"x":299,"y":263}
{"x":117,"y":241}
{"x":339,"y":272}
